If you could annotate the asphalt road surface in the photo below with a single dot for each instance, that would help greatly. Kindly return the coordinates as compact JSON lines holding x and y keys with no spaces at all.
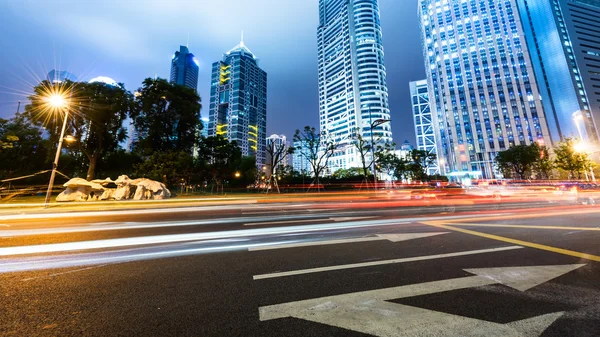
{"x":304,"y":269}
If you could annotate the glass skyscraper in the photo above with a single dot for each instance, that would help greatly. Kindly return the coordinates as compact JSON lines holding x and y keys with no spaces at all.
{"x":565,"y":36}
{"x":423,"y":120}
{"x":352,"y":80}
{"x":238,"y":102}
{"x":184,"y":68}
{"x":483,"y":90}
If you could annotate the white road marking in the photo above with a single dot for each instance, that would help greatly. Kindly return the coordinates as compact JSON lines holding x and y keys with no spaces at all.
{"x":383,"y":262}
{"x":370,"y":312}
{"x":65,"y":272}
{"x":277,"y":222}
{"x":379,"y":237}
{"x":353,"y":218}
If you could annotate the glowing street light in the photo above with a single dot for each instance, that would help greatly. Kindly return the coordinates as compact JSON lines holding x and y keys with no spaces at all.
{"x":57,"y":101}
{"x":237,"y":174}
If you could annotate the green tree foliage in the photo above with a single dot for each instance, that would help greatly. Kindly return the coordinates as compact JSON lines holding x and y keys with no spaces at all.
{"x":353,"y":173}
{"x":316,"y":148}
{"x":518,"y":161}
{"x":96,"y":115}
{"x":420,"y":160}
{"x":218,"y":159}
{"x":23,"y":150}
{"x":170,"y":167}
{"x":166,"y":117}
{"x":570,"y":160}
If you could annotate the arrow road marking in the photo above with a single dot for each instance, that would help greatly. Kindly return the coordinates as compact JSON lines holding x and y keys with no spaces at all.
{"x":379,"y":237}
{"x":369,"y":312}
{"x":384,"y":262}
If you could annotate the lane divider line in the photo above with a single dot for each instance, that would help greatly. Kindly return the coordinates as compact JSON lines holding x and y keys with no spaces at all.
{"x":384,"y":262}
{"x":515,"y":241}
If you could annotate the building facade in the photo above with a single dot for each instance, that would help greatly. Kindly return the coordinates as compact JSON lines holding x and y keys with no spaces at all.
{"x":483,"y":91}
{"x":184,"y":68}
{"x":299,"y":161}
{"x":57,"y":76}
{"x":238,"y":102}
{"x":423,"y":120}
{"x":352,"y":77}
{"x":565,"y":36}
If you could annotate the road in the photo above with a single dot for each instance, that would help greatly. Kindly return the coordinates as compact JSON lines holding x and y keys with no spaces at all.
{"x":343,"y":268}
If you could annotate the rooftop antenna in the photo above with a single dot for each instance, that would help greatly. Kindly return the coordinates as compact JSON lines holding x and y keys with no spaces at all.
{"x":188,"y":41}
{"x":242,"y":39}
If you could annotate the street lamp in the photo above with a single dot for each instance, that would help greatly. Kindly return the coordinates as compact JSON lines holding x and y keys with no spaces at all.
{"x":57,"y":101}
{"x":375,"y":123}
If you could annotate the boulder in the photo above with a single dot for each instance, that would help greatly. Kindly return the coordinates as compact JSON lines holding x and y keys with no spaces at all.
{"x":80,"y":190}
{"x":108,"y":194}
{"x":137,"y":189}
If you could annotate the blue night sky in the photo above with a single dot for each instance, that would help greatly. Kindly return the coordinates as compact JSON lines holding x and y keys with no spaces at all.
{"x":131,"y":40}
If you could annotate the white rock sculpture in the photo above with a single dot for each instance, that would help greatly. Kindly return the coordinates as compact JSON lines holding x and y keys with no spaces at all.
{"x":137,"y":189}
{"x":80,"y":190}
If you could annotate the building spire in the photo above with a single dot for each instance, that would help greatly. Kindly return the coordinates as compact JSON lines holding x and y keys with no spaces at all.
{"x":242,"y":39}
{"x":187,"y":44}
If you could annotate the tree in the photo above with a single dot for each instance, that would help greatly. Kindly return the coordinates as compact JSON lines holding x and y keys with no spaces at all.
{"x":316,"y":148}
{"x":276,"y":154}
{"x":22,"y":148}
{"x":386,"y":158}
{"x":363,"y":148}
{"x":170,"y":167}
{"x":217,"y":159}
{"x":544,"y":164}
{"x":518,"y":160}
{"x":420,"y":161}
{"x":567,"y":158}
{"x":166,"y":117}
{"x":96,"y":114}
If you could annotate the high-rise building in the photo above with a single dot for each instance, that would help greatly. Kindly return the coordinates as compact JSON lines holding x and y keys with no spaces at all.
{"x":299,"y":161}
{"x":204,"y":131}
{"x":184,"y":68}
{"x":423,"y":120}
{"x":57,"y":76}
{"x":483,"y":91}
{"x":238,"y":101}
{"x":352,"y":79}
{"x":564,"y":35}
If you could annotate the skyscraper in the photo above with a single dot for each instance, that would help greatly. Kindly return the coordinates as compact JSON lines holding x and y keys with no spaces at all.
{"x":352,"y":79}
{"x":423,"y":120}
{"x":565,"y":36}
{"x":238,"y":101}
{"x":184,"y":68}
{"x":299,"y":161}
{"x":57,"y":76}
{"x":483,"y":92}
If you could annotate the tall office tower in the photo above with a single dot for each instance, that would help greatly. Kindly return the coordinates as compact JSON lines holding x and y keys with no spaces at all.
{"x":57,"y":76}
{"x":299,"y":161}
{"x":204,"y":131}
{"x":423,"y":120}
{"x":352,"y":80}
{"x":184,"y":68}
{"x":238,"y":102}
{"x":565,"y":35}
{"x":483,"y":92}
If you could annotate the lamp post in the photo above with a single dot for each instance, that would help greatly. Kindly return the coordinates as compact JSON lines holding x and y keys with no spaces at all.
{"x":58,"y":102}
{"x":373,"y":124}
